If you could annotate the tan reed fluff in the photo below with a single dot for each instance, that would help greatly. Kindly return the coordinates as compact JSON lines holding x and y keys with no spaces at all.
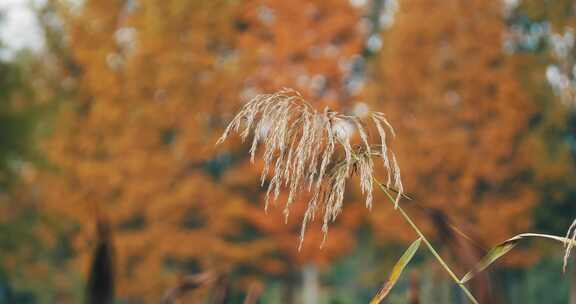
{"x":569,"y":244}
{"x":310,"y":151}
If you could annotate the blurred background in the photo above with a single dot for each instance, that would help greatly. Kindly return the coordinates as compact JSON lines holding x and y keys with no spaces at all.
{"x":112,"y":189}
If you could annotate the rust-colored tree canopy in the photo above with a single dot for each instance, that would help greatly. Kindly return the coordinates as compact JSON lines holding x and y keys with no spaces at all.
{"x":158,"y":81}
{"x":452,"y":91}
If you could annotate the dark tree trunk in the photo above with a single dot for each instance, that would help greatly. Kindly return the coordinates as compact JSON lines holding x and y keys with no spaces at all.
{"x":100,"y":287}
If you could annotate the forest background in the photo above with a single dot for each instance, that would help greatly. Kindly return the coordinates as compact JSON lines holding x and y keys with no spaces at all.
{"x":108,"y":131}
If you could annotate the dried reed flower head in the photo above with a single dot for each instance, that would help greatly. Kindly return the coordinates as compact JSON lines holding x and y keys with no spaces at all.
{"x":311,"y":151}
{"x":569,"y":244}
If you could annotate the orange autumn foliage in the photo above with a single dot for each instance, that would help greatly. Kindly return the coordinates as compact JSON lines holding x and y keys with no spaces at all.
{"x":450,"y":90}
{"x":135,"y":144}
{"x":158,"y":81}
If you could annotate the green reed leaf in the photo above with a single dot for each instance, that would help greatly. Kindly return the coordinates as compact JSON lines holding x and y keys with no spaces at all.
{"x":396,"y":272}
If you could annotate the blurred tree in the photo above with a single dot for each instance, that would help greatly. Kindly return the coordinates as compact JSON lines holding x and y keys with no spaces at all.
{"x":453,"y":95}
{"x":136,"y":143}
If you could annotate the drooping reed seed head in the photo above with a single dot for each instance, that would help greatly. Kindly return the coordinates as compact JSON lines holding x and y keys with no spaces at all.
{"x":310,"y":151}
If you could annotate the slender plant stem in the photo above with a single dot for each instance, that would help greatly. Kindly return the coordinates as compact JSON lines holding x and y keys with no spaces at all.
{"x":429,"y":245}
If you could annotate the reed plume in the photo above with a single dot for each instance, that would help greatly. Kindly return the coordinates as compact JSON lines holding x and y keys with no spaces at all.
{"x":308,"y":151}
{"x":569,"y":243}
